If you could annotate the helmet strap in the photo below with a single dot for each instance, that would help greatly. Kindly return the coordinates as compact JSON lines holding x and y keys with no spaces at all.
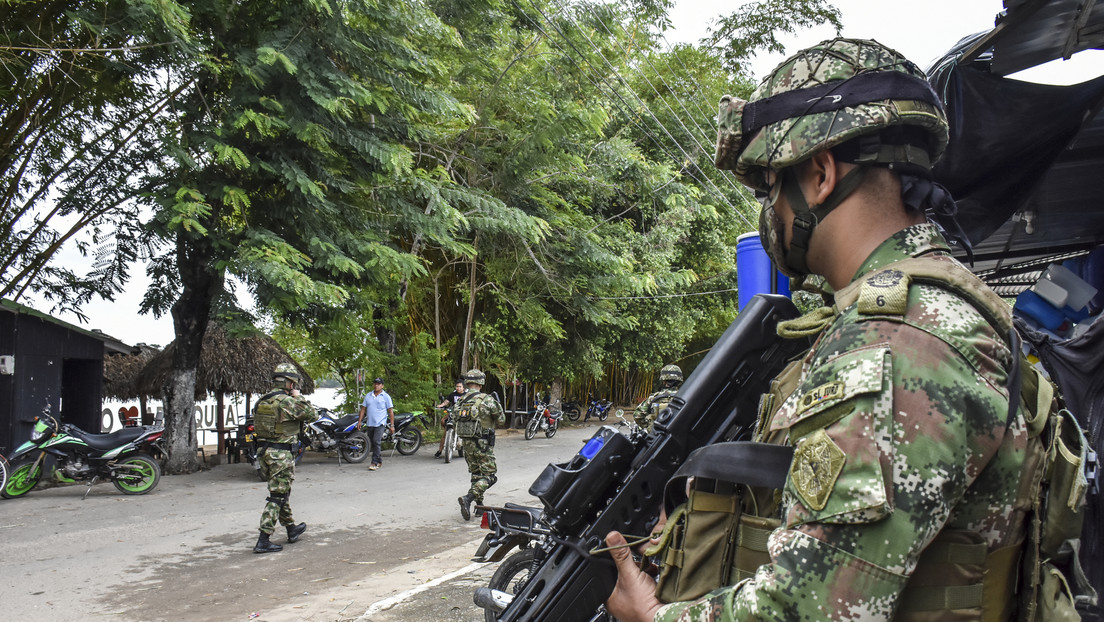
{"x":807,"y":218}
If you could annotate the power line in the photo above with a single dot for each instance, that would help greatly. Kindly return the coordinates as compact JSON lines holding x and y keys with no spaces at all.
{"x":658,"y":296}
{"x":707,"y":183}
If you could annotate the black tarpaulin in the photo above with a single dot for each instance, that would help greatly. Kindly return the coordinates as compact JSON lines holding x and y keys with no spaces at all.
{"x":1005,"y":135}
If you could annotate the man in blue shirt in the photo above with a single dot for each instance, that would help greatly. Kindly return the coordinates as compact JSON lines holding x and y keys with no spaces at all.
{"x":380,"y":411}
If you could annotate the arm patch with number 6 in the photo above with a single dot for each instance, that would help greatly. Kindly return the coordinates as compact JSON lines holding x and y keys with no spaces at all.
{"x":885,"y":293}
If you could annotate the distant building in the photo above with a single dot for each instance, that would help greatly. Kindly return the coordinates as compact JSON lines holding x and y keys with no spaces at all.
{"x":48,"y":366}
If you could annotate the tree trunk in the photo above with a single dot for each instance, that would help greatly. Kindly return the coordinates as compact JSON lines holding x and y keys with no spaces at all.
{"x":201,"y":282}
{"x":437,"y":318}
{"x":471,"y":308}
{"x":180,"y":429}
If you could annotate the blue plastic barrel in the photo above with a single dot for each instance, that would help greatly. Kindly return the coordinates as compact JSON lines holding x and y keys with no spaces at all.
{"x":753,"y":270}
{"x":1033,"y":305}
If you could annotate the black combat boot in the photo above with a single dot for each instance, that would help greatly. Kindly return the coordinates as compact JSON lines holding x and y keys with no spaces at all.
{"x":264,"y":546}
{"x":294,"y":531}
{"x":465,"y":505}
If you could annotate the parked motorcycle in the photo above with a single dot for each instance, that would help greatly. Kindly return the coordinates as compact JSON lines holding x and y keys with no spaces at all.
{"x":573,"y":409}
{"x":5,"y":469}
{"x":453,"y":446}
{"x":512,"y":527}
{"x":544,"y":418}
{"x":407,"y":437}
{"x":599,"y":409}
{"x":325,"y":434}
{"x":79,"y":455}
{"x":328,"y":434}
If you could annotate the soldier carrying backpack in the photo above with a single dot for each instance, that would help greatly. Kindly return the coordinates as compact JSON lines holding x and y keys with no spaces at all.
{"x":916,"y":485}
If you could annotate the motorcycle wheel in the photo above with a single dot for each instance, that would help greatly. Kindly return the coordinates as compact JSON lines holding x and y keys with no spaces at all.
{"x":408,"y":441}
{"x":531,"y":429}
{"x":550,"y":431}
{"x":354,"y":448}
{"x":5,"y":469}
{"x":23,"y":478}
{"x":511,"y":576}
{"x":573,"y":413}
{"x":450,"y":443}
{"x":139,"y":475}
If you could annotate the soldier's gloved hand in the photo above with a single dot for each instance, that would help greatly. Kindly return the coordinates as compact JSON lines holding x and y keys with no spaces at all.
{"x":633,"y":598}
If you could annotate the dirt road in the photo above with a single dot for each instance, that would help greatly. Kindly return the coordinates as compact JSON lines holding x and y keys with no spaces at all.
{"x":183,"y":552}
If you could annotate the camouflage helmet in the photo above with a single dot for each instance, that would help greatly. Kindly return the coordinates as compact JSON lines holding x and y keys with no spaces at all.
{"x":825,"y":96}
{"x":670,"y":373}
{"x":286,"y":371}
{"x":474,"y":376}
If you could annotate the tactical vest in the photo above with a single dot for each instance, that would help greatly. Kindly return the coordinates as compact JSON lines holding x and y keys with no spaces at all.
{"x":660,"y":403}
{"x":468,"y":424}
{"x":268,"y":418}
{"x":718,"y":535}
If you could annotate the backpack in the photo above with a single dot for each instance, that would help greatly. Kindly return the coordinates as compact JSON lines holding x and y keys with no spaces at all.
{"x":719,"y":521}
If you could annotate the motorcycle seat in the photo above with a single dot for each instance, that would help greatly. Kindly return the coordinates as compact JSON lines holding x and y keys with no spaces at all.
{"x":108,"y":441}
{"x":345,"y":421}
{"x":402,"y":418}
{"x":520,"y":517}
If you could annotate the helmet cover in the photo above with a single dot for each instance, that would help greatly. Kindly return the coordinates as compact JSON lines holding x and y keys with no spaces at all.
{"x":822,"y":97}
{"x":670,"y":373}
{"x":287,"y":371}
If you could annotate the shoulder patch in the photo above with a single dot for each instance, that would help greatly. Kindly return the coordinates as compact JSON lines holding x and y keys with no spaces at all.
{"x":816,"y":466}
{"x":885,"y":293}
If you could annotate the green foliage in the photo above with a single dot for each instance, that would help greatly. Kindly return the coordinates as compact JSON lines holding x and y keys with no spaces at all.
{"x":407,"y":188}
{"x":755,"y":26}
{"x":82,"y":108}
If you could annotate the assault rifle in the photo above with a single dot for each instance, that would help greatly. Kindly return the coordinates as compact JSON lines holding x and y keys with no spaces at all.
{"x":616,"y":482}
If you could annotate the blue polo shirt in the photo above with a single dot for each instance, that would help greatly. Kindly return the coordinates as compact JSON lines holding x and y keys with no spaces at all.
{"x":375,"y":409}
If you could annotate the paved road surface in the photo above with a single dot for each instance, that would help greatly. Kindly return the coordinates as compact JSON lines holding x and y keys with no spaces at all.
{"x":183,"y":552}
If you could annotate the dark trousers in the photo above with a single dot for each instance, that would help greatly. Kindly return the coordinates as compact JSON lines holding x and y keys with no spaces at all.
{"x":375,"y":437}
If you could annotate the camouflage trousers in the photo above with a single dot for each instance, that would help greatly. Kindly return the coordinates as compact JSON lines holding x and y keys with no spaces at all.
{"x":481,"y":464}
{"x":278,"y":467}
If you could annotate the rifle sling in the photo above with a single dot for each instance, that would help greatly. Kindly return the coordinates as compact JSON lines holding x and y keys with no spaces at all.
{"x":740,"y":462}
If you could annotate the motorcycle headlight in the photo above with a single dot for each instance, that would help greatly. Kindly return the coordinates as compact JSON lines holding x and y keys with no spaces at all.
{"x":40,"y":431}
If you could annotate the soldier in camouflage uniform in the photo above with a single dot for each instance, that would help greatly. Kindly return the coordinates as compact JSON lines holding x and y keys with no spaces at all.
{"x":900,"y":415}
{"x":277,"y":420}
{"x":670,"y":376}
{"x":476,"y":415}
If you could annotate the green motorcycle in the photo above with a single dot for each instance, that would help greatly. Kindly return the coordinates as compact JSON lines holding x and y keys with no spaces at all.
{"x":81,"y":456}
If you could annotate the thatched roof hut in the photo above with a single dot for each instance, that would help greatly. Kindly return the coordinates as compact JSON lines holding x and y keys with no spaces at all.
{"x":226,"y":365}
{"x":120,"y":372}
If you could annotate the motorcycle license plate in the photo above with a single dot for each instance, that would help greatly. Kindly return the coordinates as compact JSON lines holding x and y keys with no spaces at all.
{"x":249,"y":438}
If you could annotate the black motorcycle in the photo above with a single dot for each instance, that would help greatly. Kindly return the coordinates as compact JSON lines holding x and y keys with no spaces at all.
{"x":407,"y":437}
{"x":325,"y":434}
{"x":512,"y":527}
{"x":121,"y":457}
{"x":573,"y":409}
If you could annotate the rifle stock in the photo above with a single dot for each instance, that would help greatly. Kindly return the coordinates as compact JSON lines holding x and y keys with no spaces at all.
{"x":614,"y":484}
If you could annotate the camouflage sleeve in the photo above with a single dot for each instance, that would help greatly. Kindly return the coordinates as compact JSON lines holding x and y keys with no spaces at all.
{"x":302,"y":410}
{"x":490,"y":412}
{"x":887,"y":444}
{"x":642,"y":412}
